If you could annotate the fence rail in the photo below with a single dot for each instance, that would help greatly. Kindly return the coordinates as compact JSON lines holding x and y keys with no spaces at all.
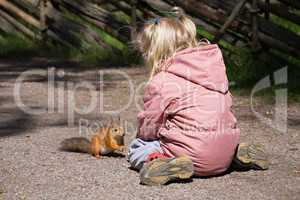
{"x":239,"y":22}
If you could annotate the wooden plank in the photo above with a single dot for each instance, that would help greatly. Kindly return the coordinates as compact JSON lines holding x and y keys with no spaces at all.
{"x":27,"y":6}
{"x":293,"y":3}
{"x":278,"y":44}
{"x":68,"y":30}
{"x":32,"y":2}
{"x":18,"y":12}
{"x":224,"y":5}
{"x":19,"y":26}
{"x":6,"y":26}
{"x":124,"y":6}
{"x":100,"y":17}
{"x":278,"y":33}
{"x":148,"y":11}
{"x":158,"y":5}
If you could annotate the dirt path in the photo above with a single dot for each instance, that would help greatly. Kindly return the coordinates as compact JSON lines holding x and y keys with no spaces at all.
{"x":31,"y":167}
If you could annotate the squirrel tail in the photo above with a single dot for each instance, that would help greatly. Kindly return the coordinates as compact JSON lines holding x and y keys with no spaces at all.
{"x":76,"y":144}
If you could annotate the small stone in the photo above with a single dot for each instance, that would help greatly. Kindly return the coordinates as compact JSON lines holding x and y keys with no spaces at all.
{"x":2,"y":191}
{"x":294,"y":149}
{"x":22,"y":196}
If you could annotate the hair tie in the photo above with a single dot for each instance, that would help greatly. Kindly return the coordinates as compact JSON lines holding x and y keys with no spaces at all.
{"x":157,"y":20}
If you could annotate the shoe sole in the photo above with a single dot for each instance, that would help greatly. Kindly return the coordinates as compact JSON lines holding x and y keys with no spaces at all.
{"x":253,"y":156}
{"x":168,"y":169}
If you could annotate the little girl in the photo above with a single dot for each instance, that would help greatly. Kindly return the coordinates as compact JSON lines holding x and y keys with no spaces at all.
{"x":187,"y":127}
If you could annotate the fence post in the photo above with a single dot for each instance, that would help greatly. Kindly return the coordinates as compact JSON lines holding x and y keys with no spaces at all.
{"x":43,"y":17}
{"x":133,"y":19}
{"x":254,"y":11}
{"x":267,"y":9}
{"x":233,"y":15}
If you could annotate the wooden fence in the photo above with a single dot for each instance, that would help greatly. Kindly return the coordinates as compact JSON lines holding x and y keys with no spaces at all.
{"x":250,"y":23}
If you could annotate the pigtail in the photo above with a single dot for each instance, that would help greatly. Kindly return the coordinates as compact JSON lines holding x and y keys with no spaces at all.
{"x":179,"y":13}
{"x":187,"y":24}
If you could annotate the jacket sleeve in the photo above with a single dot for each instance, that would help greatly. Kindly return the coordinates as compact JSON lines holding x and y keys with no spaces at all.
{"x":152,"y":118}
{"x":157,"y":99}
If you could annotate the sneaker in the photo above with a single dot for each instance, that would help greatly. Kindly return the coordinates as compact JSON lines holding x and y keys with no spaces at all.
{"x":162,"y":170}
{"x":251,"y":156}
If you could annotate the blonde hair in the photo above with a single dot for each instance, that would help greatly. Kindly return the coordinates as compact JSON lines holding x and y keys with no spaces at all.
{"x":161,"y":38}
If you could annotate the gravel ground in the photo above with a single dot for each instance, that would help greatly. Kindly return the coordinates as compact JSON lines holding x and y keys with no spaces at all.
{"x":32,"y":167}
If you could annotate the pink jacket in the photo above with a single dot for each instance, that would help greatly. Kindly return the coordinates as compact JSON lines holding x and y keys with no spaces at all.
{"x":187,"y":108}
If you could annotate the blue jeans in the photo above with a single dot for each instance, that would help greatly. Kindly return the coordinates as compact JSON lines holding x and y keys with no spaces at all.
{"x":139,"y":150}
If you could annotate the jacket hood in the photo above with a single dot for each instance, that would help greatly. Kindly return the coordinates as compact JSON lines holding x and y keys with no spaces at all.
{"x":201,"y":65}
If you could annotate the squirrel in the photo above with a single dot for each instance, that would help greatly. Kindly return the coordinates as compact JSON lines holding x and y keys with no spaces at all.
{"x":106,"y":140}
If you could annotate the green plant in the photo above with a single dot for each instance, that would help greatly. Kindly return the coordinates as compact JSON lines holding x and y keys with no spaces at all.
{"x":11,"y":46}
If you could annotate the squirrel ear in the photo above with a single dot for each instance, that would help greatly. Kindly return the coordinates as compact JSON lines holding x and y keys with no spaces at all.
{"x":119,"y":119}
